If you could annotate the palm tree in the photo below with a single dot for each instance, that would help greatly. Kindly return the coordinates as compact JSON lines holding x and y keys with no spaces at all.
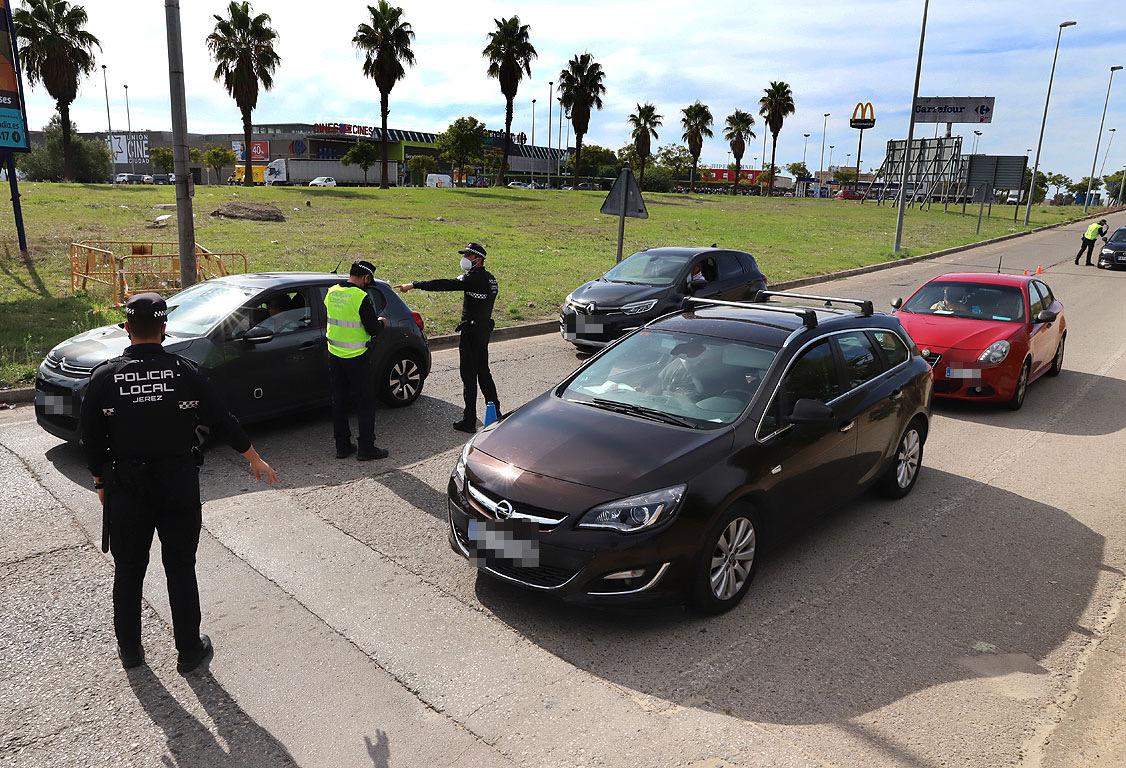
{"x":737,"y":131}
{"x":510,"y":53}
{"x":56,"y":50}
{"x":645,"y":122}
{"x":242,"y":45}
{"x":581,"y":87}
{"x":775,"y":106}
{"x":697,"y":123}
{"x":386,"y":43}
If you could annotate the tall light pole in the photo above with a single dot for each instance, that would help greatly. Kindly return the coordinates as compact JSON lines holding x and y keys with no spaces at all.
{"x":109,"y":123}
{"x":1044,"y":120}
{"x":1031,"y":181}
{"x":559,"y":141}
{"x":185,"y":224}
{"x":910,"y":132}
{"x":1121,"y":184}
{"x":1109,"y":142}
{"x":804,"y":146}
{"x":1102,"y":121}
{"x":533,"y":139}
{"x":129,"y":127}
{"x":821,"y":169}
{"x":550,"y":95}
{"x":977,"y":135}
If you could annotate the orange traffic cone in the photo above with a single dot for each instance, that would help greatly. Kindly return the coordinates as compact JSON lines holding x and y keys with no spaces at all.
{"x":1026,"y":273}
{"x":1039,"y":269}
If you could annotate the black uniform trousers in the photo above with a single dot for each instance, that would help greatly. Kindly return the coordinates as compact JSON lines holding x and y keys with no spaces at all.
{"x":1089,"y":247}
{"x":160,"y":495}
{"x":473,"y":349}
{"x":353,"y":381}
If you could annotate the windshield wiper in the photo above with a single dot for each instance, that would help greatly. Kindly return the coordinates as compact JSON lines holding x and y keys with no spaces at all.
{"x":645,"y":413}
{"x":624,"y":282}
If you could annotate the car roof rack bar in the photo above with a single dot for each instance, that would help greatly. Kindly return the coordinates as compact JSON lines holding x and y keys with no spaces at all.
{"x":865,"y":305}
{"x":808,"y":316}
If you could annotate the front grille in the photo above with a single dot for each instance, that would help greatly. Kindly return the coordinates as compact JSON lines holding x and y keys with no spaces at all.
{"x":932,"y":358}
{"x":546,"y":518}
{"x":947,"y":386}
{"x":51,"y":388}
{"x":541,"y":576}
{"x":61,"y":365}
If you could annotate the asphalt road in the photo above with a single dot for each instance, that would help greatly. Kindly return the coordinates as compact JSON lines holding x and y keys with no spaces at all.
{"x":971,"y":624}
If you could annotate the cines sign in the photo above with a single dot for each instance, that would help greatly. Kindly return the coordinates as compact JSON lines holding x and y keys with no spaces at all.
{"x":954,"y":109}
{"x":863,"y":116}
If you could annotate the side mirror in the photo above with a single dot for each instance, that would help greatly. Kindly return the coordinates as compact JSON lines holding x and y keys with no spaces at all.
{"x":897,"y":303}
{"x":1046,"y":316}
{"x":258,"y":335}
{"x":812,"y":412}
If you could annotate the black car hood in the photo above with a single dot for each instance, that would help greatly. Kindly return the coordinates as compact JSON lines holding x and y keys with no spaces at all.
{"x":601,"y":449}
{"x":607,"y":294}
{"x":100,"y":344}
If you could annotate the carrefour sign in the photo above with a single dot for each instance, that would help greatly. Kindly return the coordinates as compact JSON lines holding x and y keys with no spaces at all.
{"x":954,"y":109}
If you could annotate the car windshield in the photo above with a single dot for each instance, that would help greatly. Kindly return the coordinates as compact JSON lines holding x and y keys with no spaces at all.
{"x":648,"y":268}
{"x":976,"y":301}
{"x":1118,"y":238}
{"x":678,"y":378}
{"x":195,"y":311}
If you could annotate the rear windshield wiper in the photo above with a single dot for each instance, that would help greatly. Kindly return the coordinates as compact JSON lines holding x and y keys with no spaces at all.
{"x":643,"y":412}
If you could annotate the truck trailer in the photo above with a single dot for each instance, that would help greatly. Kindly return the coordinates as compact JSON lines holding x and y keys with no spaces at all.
{"x":298,"y":172}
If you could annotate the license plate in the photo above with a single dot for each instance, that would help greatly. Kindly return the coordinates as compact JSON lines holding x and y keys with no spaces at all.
{"x":512,"y":541}
{"x":963,"y":373}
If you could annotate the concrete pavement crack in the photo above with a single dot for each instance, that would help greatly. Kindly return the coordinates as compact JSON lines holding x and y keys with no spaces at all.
{"x":45,"y":553}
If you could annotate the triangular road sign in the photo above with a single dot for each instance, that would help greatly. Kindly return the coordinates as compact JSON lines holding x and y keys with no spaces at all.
{"x":625,"y":194}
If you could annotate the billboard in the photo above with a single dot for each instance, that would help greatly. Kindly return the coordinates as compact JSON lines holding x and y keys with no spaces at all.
{"x":954,"y":109}
{"x":259,"y":151}
{"x":128,"y":148}
{"x":13,"y":119}
{"x":863,"y":116}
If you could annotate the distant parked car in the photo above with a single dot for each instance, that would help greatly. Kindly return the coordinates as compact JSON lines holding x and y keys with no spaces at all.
{"x":146,"y":179}
{"x":848,"y":194}
{"x":162,"y":178}
{"x":131,"y":178}
{"x":439,"y":181}
{"x":517,"y":185}
{"x":323,"y":181}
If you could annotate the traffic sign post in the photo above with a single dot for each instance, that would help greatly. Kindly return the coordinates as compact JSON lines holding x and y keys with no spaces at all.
{"x":13,"y":117}
{"x":624,"y":200}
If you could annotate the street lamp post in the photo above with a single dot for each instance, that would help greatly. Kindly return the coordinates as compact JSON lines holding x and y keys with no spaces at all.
{"x":533,"y":139}
{"x":977,"y":135}
{"x":1102,"y":121}
{"x":550,"y":94}
{"x":910,"y":132}
{"x":109,"y":123}
{"x":129,"y":139}
{"x":804,"y":147}
{"x":821,"y":168}
{"x":559,"y":141}
{"x":1106,"y":154}
{"x":1044,"y":120}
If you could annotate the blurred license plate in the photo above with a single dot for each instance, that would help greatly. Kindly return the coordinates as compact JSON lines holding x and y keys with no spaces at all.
{"x":963,"y":373}
{"x":510,"y":540}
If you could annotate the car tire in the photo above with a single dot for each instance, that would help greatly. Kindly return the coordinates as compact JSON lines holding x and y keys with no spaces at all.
{"x":1057,"y":361}
{"x":1017,"y":400}
{"x":903,"y":472}
{"x":400,"y":382}
{"x":716,"y":585}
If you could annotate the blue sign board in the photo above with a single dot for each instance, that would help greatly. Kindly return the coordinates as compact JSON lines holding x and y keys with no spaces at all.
{"x":13,"y":120}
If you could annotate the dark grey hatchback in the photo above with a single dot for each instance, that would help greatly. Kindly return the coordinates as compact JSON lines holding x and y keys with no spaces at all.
{"x":261,"y":340}
{"x":657,"y":471}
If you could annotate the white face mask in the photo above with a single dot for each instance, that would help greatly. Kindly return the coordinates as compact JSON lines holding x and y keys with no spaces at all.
{"x":466,"y":264}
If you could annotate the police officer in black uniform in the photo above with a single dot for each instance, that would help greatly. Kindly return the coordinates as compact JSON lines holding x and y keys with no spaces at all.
{"x":139,"y":426}
{"x":480,"y":289}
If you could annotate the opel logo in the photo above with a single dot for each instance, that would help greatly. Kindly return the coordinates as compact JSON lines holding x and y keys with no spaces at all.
{"x":504,"y":509}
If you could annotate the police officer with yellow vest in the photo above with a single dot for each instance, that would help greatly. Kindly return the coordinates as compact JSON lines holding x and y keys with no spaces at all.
{"x":352,"y":323}
{"x":1093,"y":233}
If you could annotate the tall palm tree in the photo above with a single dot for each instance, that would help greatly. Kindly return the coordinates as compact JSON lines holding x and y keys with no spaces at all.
{"x":581,"y":87}
{"x":386,"y":43}
{"x":737,"y":132}
{"x":775,"y":106}
{"x":242,"y":46}
{"x":56,"y":50}
{"x":510,"y":53}
{"x":697,"y":123}
{"x":645,"y":122}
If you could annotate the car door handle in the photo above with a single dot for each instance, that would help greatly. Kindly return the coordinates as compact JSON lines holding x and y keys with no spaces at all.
{"x":896,"y":394}
{"x":848,"y":426}
{"x":311,"y":344}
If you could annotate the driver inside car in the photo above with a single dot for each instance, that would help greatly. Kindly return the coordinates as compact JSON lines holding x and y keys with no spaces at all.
{"x":953,"y":300}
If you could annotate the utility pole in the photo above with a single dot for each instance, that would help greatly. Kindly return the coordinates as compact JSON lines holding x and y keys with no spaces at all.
{"x":1095,"y":159}
{"x":533,"y":139}
{"x":109,"y":124}
{"x":804,"y":147}
{"x":977,"y":135}
{"x":1110,"y":142}
{"x":559,"y":142}
{"x":184,"y":221}
{"x":910,"y":132}
{"x":550,"y":95}
{"x":1044,"y":120}
{"x":129,"y":127}
{"x":821,"y":168}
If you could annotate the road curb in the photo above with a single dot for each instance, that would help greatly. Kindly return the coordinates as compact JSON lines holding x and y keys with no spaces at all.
{"x":500,"y":334}
{"x":21,"y":395}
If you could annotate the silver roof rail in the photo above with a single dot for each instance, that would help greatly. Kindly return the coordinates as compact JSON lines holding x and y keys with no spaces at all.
{"x":808,"y":316}
{"x":865,"y":305}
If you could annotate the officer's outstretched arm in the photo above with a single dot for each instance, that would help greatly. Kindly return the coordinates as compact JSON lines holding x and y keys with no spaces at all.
{"x":214,"y":412}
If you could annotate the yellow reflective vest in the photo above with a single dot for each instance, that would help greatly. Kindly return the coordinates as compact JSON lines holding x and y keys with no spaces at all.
{"x":345,"y":334}
{"x":1093,"y":231}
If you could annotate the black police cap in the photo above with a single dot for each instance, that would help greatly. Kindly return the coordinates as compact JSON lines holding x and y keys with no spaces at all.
{"x":362,"y":268}
{"x":473,"y":249}
{"x":146,"y":306}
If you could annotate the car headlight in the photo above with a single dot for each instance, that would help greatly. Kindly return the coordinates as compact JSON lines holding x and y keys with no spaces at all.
{"x":459,"y":468}
{"x":994,"y":353}
{"x":569,"y":299}
{"x":1108,"y":251}
{"x":637,"y":307}
{"x":637,"y":512}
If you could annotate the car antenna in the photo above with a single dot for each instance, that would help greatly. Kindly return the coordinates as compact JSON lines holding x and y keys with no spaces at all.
{"x":336,"y":269}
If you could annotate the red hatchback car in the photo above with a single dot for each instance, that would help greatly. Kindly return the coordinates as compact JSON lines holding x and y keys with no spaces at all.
{"x":987,"y":336}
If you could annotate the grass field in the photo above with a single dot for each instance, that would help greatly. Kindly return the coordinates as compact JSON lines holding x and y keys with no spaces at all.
{"x":541,"y":244}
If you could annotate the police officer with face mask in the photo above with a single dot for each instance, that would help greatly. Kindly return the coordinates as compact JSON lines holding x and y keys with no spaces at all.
{"x":140,"y":420}
{"x":480,"y":294}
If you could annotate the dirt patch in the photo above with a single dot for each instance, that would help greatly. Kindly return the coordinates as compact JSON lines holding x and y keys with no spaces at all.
{"x":249,"y":211}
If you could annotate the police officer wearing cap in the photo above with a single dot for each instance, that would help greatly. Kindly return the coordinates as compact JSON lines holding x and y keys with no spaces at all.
{"x":352,"y":324}
{"x":140,"y":420}
{"x":480,"y":294}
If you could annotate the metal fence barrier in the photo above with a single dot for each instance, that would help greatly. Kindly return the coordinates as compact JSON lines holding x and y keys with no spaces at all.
{"x":125,"y":267}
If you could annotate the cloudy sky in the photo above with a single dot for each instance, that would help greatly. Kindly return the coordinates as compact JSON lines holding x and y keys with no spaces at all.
{"x":723,"y":52}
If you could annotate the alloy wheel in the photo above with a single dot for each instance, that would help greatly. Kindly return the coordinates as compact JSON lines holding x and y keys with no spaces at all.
{"x":907,"y":458}
{"x":1022,"y":384}
{"x":404,"y":379}
{"x":733,"y":558}
{"x":1059,"y":354}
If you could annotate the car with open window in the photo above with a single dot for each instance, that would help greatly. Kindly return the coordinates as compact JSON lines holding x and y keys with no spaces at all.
{"x":1113,"y":253}
{"x":652,"y":283}
{"x":260,"y":338}
{"x":660,"y":469}
{"x":987,"y":336}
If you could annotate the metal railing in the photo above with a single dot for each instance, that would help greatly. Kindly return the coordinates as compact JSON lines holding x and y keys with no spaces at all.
{"x":125,"y":267}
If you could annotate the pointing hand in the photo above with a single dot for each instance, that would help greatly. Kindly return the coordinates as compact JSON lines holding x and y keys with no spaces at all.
{"x":404,"y":287}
